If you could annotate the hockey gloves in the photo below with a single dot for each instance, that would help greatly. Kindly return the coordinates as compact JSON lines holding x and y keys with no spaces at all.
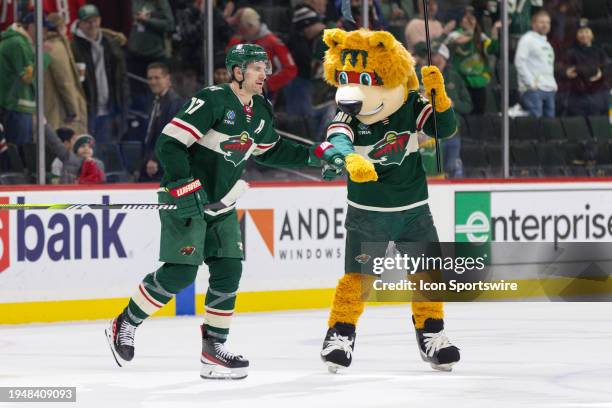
{"x":360,"y":170}
{"x":432,"y":79}
{"x":189,"y":197}
{"x":331,"y":158}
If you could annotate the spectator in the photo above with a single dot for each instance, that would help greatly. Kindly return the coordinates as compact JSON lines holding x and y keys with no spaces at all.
{"x":66,"y":9}
{"x":65,"y":104}
{"x":105,"y":77}
{"x":166,"y":103}
{"x":469,"y":49}
{"x":306,"y":33}
{"x":415,"y":30}
{"x":220,"y":75}
{"x":462,"y":102}
{"x":91,"y":170}
{"x":534,"y":61}
{"x":149,"y":42}
{"x":252,"y":30}
{"x":151,"y":172}
{"x":17,"y":96}
{"x":65,"y":135}
{"x":585,"y":74}
{"x":376,"y":19}
{"x":521,"y":15}
{"x":188,"y":36}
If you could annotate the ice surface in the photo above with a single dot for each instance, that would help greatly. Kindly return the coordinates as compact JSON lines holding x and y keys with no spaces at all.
{"x":513,"y":354}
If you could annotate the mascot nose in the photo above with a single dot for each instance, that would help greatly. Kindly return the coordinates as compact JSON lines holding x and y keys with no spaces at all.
{"x":350,"y":107}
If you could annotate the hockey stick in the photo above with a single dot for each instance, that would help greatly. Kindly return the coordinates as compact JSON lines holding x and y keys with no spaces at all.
{"x":230,"y":198}
{"x":433,"y":91}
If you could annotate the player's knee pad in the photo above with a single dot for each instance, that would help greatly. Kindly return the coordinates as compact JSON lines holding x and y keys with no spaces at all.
{"x":173,"y":277}
{"x":225,"y":274}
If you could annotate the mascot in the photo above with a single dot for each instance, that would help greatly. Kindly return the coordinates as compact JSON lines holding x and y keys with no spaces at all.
{"x":380,"y":114}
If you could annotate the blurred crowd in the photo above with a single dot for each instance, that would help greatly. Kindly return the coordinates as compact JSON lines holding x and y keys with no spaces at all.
{"x":116,"y":71}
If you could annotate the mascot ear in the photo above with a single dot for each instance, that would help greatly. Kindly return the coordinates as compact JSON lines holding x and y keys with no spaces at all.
{"x":382,"y":39}
{"x":334,"y":37}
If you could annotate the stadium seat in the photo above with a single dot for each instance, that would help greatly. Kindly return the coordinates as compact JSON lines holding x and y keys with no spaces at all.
{"x":552,"y":159}
{"x":29,"y":158}
{"x":131,"y":152}
{"x":574,"y":152}
{"x":118,"y":177}
{"x":484,"y":128}
{"x":525,"y":129}
{"x":576,"y":128}
{"x":15,"y":164}
{"x":110,"y":155}
{"x":603,"y":157}
{"x":601,"y":127}
{"x":524,"y":160}
{"x":474,"y":156}
{"x":14,"y":178}
{"x":552,"y":129}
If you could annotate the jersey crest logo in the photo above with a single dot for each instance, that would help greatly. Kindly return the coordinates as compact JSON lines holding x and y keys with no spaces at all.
{"x":391,"y":149}
{"x":236,"y":147}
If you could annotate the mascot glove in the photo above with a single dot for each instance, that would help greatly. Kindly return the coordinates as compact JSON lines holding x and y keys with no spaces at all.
{"x":359,"y":169}
{"x":432,"y":79}
{"x":189,"y":197}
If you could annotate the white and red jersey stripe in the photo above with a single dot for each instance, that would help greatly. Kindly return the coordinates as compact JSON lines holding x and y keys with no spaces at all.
{"x":218,"y":317}
{"x":183,"y":131}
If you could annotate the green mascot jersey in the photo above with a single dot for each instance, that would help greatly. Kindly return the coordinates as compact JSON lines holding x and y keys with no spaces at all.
{"x":214,"y":134}
{"x":392,"y":145}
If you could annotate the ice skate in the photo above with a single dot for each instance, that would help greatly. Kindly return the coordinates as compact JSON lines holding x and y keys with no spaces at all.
{"x":120,"y":336}
{"x":338,"y":346}
{"x":218,"y":363}
{"x":434,"y":346}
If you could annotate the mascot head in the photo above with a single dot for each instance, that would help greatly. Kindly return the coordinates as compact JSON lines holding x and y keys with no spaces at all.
{"x":372,"y":71}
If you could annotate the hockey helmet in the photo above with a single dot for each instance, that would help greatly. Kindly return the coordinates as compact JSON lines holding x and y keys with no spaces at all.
{"x":242,"y":55}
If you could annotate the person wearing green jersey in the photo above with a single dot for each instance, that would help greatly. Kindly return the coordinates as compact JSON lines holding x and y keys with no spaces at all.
{"x":376,"y":128}
{"x":203,"y":151}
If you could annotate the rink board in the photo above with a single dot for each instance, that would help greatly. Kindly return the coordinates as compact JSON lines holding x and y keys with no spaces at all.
{"x":58,"y":266}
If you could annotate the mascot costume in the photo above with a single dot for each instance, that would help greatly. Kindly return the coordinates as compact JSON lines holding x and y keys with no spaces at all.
{"x":380,"y":114}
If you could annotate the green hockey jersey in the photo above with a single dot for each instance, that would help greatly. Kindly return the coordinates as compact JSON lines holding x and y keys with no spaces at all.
{"x":392,"y":145}
{"x":213,"y":136}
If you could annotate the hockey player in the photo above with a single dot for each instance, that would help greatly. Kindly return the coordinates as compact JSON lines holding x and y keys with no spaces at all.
{"x":203,"y":151}
{"x":381,"y":113}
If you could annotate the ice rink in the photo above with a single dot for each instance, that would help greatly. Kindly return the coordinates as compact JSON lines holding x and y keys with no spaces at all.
{"x":513,"y":354}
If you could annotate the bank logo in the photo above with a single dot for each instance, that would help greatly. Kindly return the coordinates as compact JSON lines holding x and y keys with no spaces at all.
{"x":472,"y":216}
{"x":62,"y":236}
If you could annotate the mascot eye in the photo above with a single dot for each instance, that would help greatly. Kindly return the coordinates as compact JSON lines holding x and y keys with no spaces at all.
{"x":365,"y":79}
{"x":343,"y":78}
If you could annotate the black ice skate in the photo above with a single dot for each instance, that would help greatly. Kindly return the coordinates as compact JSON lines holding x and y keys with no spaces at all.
{"x":218,"y":363}
{"x":338,"y":346}
{"x":434,"y":346}
{"x":120,"y":336}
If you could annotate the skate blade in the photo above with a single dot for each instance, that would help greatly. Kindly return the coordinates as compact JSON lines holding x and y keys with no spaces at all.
{"x":333,"y":367}
{"x":109,"y":338}
{"x":217,"y":372}
{"x":440,"y":367}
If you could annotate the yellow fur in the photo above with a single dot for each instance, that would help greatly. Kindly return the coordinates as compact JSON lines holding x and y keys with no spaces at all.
{"x":386,"y":56}
{"x":426,"y":310}
{"x":359,"y":169}
{"x":348,"y":302}
{"x":432,"y":79}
